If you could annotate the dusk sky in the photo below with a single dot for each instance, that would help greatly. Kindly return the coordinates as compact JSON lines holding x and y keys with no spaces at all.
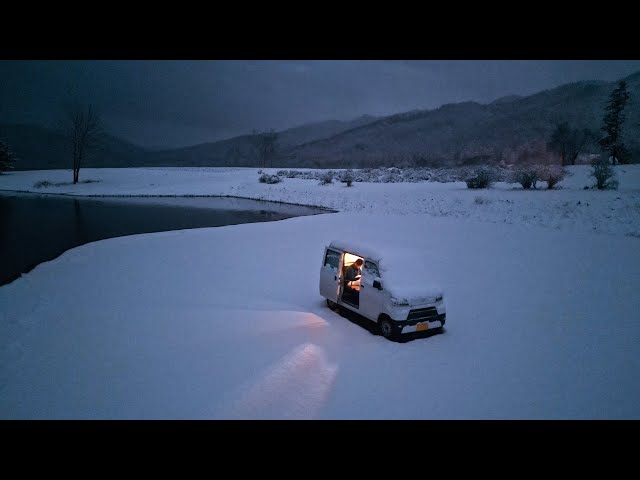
{"x":164,"y":103}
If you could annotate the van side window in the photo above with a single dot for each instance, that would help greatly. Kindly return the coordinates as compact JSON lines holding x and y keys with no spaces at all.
{"x":371,"y":269}
{"x":332,"y":260}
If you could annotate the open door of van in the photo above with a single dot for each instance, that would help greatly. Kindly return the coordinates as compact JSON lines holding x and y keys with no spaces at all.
{"x":331,"y":274}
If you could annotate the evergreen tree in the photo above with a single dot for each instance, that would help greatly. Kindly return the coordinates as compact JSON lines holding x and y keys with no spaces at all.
{"x":7,"y":158}
{"x":613,"y":120}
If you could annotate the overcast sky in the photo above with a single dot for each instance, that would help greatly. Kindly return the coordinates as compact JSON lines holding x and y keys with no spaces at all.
{"x":176,"y":103}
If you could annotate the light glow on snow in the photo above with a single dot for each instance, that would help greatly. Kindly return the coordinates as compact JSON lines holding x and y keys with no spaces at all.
{"x":295,"y":387}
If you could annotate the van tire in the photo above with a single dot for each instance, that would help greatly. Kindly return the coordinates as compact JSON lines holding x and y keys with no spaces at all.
{"x":331,"y":305}
{"x":387,"y":328}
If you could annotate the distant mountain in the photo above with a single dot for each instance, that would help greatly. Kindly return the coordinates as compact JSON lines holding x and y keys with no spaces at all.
{"x":240,"y":151}
{"x":315,"y":131}
{"x":42,"y":148}
{"x":507,"y":99}
{"x":511,"y":129}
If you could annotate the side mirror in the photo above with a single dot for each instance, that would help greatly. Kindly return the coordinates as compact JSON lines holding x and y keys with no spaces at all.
{"x":377,"y":284}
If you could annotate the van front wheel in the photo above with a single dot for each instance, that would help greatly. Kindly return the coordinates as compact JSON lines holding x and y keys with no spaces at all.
{"x":331,"y":305}
{"x":387,"y":329}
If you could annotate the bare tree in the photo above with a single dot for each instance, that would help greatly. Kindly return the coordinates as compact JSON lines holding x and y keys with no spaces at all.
{"x":266,"y":144}
{"x":84,"y":130}
{"x":568,"y":142}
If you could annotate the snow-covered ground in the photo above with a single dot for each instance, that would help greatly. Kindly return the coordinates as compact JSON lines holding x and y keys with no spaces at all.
{"x":541,"y":291}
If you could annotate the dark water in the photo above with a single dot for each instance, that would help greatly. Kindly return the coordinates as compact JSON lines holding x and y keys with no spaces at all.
{"x":38,"y":228}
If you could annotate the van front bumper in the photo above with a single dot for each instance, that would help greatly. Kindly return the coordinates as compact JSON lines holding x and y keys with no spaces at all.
{"x":419,"y":324}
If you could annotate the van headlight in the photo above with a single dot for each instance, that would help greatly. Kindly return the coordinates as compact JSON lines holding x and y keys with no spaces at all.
{"x":399,"y":303}
{"x":438,"y":298}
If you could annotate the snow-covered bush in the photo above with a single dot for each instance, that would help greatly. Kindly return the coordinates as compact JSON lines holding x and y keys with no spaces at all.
{"x":46,"y":183}
{"x":266,"y":178}
{"x":418,"y":175}
{"x":395,"y":175}
{"x":326,"y":178}
{"x":526,"y":175}
{"x":481,"y":200}
{"x":551,"y":174}
{"x":289,"y":173}
{"x":347,"y":177}
{"x":604,"y":174}
{"x":483,"y":178}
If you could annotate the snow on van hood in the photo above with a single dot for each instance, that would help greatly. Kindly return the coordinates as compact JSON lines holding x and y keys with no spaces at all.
{"x":411,"y":293}
{"x":405,"y":275}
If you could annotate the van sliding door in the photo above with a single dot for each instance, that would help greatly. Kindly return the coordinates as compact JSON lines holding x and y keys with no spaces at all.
{"x":330,"y":274}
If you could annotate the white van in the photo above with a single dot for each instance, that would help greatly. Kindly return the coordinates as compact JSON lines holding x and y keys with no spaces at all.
{"x":390,"y":291}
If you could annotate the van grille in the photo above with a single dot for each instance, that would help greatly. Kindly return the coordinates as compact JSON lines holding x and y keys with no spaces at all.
{"x":423,"y":314}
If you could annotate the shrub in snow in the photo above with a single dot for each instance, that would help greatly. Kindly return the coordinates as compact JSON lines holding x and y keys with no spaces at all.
{"x":292,"y":174}
{"x":527,"y":176}
{"x":347,"y":177}
{"x":326,"y":178}
{"x":603,"y":172}
{"x":46,"y":183}
{"x":482,"y":179}
{"x":481,"y":200}
{"x":266,"y":178}
{"x":551,"y":174}
{"x":394,"y":174}
{"x":259,"y":171}
{"x":417,"y":175}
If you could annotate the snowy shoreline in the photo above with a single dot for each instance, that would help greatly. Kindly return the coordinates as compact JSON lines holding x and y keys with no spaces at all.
{"x":570,"y":206}
{"x":107,"y":196}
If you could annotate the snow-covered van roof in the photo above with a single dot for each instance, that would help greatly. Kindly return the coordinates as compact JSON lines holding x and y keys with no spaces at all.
{"x":389,"y":254}
{"x":370,"y":252}
{"x":405,"y":271}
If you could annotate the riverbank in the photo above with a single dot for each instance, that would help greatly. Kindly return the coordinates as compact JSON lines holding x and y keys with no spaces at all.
{"x":40,"y":227}
{"x":570,"y":207}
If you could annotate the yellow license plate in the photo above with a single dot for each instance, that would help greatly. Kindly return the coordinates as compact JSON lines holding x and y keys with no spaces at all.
{"x":422,"y":326}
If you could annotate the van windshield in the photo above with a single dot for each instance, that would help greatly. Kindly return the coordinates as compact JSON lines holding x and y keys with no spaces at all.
{"x":370,"y":269}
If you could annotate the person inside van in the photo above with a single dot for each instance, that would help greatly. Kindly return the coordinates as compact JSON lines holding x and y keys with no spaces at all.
{"x":353,"y":274}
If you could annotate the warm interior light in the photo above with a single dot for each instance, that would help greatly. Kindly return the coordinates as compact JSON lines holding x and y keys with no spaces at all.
{"x":349,"y":258}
